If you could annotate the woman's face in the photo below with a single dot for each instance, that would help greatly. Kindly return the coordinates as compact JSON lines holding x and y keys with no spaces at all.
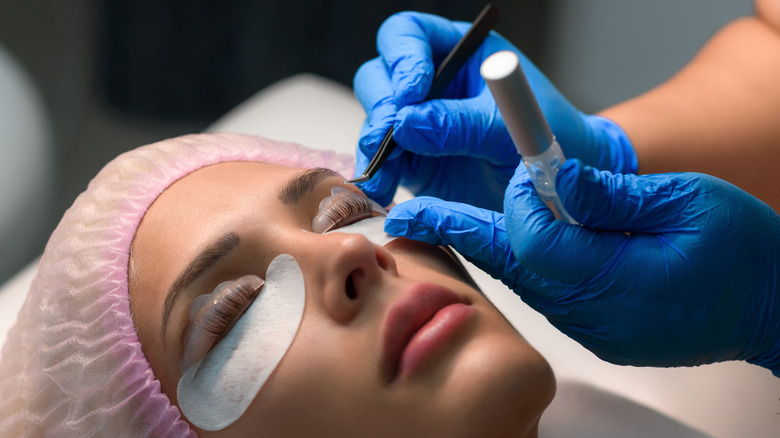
{"x":476,"y":378}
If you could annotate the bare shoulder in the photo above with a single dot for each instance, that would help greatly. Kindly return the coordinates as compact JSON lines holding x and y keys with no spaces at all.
{"x":768,"y":11}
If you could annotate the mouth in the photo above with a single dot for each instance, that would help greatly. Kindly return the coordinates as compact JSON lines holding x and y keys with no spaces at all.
{"x":418,"y":325}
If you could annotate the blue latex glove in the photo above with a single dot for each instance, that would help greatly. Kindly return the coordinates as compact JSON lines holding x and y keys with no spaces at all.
{"x":457,"y":148}
{"x":695,"y":281}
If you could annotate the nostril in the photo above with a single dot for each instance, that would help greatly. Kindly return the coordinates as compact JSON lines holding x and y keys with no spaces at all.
{"x":350,"y":286}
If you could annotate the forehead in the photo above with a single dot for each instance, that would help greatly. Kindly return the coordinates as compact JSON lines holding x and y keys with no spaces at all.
{"x":215,"y":191}
{"x":207,"y":199}
{"x":224,"y":179}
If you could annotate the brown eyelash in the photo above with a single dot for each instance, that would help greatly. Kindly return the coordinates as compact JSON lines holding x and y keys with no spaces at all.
{"x":214,"y":319}
{"x":219,"y":318}
{"x":346,"y":210}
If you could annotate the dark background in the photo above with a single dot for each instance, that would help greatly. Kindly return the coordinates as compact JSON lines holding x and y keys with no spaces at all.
{"x":195,"y":59}
{"x":116,"y":74}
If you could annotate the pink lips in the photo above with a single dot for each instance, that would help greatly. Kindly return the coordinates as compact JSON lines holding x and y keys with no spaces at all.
{"x":424,"y":319}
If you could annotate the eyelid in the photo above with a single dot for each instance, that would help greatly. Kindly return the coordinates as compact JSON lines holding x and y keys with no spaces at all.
{"x":213,"y":315}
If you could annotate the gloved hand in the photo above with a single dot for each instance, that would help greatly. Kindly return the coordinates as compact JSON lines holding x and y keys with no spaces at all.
{"x":681,"y":271}
{"x":457,"y":148}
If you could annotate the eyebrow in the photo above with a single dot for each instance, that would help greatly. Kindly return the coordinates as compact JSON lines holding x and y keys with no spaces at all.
{"x":199,"y":265}
{"x":304,"y":183}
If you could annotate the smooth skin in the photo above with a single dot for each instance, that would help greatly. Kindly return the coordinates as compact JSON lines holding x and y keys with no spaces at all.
{"x":718,"y":115}
{"x":485,"y":381}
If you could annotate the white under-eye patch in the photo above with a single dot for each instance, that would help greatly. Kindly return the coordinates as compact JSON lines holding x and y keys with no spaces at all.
{"x":373,"y":228}
{"x":216,"y":391}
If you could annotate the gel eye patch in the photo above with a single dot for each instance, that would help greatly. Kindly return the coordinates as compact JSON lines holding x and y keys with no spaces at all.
{"x":215,"y":392}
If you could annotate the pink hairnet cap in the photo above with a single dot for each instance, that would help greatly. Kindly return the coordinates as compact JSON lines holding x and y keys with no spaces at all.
{"x":72,"y":364}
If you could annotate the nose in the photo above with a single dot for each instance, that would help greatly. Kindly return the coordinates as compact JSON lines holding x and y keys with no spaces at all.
{"x":346,"y":270}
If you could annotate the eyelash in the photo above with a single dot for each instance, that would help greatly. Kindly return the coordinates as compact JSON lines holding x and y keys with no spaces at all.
{"x":343,"y":207}
{"x":220,"y":317}
{"x":346,"y":209}
{"x":213,"y":315}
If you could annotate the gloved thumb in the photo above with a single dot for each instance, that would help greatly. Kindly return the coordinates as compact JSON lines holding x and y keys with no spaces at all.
{"x":477,"y":234}
{"x":626,"y":202}
{"x":608,"y":205}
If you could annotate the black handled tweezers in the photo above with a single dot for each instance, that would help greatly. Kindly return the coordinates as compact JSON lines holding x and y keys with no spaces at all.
{"x":446,"y":72}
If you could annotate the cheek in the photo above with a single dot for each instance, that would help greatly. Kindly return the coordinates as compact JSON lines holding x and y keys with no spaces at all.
{"x":327,"y":372}
{"x":415,"y":257}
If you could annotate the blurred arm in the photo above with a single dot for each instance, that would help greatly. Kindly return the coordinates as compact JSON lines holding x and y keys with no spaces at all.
{"x":719,"y":114}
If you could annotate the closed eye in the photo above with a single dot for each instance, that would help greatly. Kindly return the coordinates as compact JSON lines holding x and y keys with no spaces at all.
{"x":213,"y":315}
{"x":342,"y":208}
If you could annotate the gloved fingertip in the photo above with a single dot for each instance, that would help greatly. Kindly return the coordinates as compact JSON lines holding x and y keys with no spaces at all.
{"x":404,"y":223}
{"x":580,"y":187}
{"x":396,"y":224}
{"x":578,"y":181}
{"x":520,"y":175}
{"x":616,"y":152}
{"x":569,"y":174}
{"x":414,"y":220}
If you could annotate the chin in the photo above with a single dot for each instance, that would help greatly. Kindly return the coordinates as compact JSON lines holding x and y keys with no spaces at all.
{"x":498,"y":386}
